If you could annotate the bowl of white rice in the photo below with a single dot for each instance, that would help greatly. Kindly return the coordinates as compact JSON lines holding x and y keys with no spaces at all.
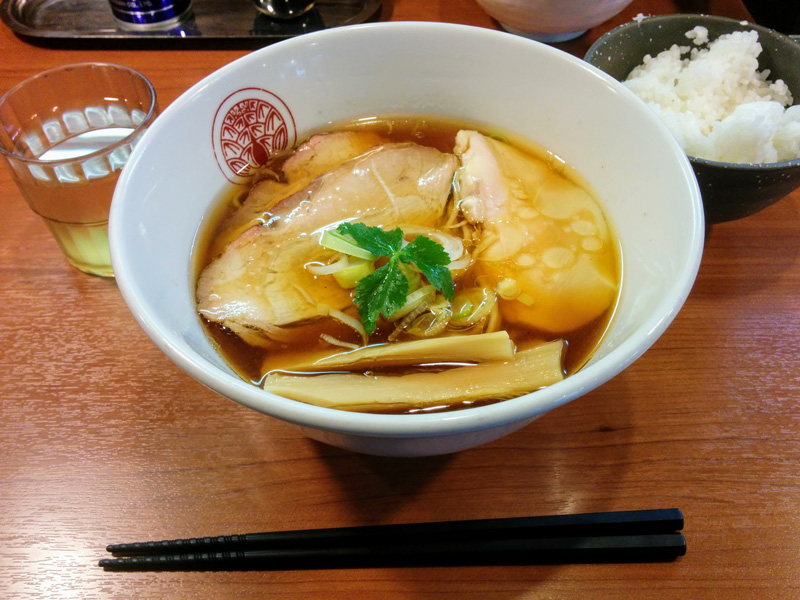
{"x":728,"y":91}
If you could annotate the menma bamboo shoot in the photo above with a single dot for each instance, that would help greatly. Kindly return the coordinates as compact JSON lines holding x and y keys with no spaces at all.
{"x":495,"y":346}
{"x":530,"y":370}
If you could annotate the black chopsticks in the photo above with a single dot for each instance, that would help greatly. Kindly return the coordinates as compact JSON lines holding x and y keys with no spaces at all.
{"x":628,"y":536}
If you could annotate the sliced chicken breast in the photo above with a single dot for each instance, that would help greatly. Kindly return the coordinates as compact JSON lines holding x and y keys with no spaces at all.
{"x":545,"y":241}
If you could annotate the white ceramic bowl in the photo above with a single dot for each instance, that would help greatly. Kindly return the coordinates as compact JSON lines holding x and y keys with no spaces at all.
{"x":478,"y":75}
{"x":551,"y":20}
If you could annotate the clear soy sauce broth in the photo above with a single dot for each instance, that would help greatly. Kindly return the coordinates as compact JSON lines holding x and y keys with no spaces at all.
{"x":251,"y":363}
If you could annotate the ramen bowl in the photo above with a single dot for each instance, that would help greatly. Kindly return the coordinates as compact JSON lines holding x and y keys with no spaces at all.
{"x":469,"y":74}
{"x":730,"y":190}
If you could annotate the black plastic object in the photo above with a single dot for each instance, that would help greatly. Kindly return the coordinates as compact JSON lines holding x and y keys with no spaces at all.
{"x":626,"y":536}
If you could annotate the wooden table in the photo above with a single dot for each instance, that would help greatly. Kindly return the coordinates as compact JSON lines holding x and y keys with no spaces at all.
{"x":103,"y":439}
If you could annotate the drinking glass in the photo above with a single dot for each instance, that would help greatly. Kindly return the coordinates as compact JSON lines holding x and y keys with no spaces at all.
{"x":65,"y":135}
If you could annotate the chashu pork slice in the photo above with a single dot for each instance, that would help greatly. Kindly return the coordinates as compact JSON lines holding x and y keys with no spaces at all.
{"x":543,"y":235}
{"x":259,"y":281}
{"x":314,"y":157}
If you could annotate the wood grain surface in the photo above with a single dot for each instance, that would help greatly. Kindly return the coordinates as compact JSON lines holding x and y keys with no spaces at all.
{"x":103,"y":439}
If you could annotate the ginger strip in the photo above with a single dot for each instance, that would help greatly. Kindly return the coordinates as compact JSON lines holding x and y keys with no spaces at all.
{"x":530,"y":370}
{"x":484,"y":347}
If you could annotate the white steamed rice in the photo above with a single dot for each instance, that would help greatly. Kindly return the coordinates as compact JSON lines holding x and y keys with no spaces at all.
{"x":716,"y":102}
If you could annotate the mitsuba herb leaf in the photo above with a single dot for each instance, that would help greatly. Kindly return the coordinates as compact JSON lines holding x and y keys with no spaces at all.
{"x":374,"y":239}
{"x":384,"y":291}
{"x":432,"y":260}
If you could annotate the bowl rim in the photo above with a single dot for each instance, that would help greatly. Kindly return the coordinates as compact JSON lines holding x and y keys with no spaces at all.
{"x":516,"y":410}
{"x":702,"y":19}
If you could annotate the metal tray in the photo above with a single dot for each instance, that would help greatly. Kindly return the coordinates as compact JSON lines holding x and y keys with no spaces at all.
{"x":89,"y":22}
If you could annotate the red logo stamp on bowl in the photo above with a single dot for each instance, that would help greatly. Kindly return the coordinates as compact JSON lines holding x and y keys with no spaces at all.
{"x":249,"y":127}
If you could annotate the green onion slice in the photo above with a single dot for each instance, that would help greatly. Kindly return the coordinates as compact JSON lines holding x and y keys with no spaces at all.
{"x":341,"y":242}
